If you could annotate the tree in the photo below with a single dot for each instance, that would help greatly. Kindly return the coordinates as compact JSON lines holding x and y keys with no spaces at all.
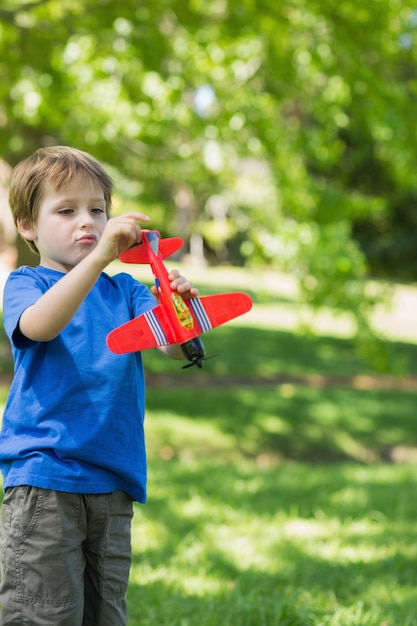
{"x":269,"y":129}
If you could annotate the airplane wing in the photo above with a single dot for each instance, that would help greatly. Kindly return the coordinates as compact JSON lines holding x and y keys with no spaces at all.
{"x":212,"y":311}
{"x":150,"y":330}
{"x":141,"y":333}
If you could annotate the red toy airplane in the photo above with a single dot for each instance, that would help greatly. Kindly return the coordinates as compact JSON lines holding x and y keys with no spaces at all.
{"x":173,"y":320}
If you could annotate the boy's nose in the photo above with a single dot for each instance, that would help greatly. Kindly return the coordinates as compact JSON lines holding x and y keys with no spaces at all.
{"x":86,"y":220}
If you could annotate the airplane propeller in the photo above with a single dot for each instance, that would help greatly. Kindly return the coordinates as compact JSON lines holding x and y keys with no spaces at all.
{"x":199,"y":362}
{"x":193,"y":350}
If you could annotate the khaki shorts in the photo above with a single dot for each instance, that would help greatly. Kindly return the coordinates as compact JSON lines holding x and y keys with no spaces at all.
{"x":65,"y":558}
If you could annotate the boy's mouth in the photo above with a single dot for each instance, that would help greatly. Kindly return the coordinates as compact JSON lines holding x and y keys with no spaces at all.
{"x":87,"y":239}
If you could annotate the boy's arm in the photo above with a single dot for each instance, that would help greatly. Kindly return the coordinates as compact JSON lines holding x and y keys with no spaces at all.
{"x":45,"y":319}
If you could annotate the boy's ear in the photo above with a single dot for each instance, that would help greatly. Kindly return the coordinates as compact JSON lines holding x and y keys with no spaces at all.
{"x":26,"y":229}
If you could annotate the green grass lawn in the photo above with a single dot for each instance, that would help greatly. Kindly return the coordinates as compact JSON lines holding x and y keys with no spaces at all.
{"x":295,"y":544}
{"x":281,"y":491}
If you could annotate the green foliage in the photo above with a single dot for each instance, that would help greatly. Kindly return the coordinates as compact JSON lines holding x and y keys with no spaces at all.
{"x":277,"y":132}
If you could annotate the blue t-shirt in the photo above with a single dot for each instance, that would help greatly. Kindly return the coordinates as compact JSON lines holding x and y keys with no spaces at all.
{"x":74,"y":416}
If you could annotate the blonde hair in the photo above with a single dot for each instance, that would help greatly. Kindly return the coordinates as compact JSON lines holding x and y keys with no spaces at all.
{"x":57,"y":166}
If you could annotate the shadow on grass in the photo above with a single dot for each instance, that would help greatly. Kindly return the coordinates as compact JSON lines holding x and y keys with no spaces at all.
{"x":312,"y":592}
{"x":285,"y":422}
{"x":281,"y":420}
{"x":255,"y":600}
{"x":246,"y":525}
{"x":284,"y":547}
{"x":258,"y":352}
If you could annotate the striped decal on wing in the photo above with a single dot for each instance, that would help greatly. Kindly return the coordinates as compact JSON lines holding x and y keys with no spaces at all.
{"x":156,"y":328}
{"x":200,"y":314}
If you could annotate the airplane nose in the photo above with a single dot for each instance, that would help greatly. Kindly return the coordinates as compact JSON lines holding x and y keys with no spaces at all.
{"x":193,"y":350}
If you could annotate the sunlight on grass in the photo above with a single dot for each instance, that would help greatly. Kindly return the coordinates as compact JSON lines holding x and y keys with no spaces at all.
{"x":223,"y":536}
{"x":323,"y":424}
{"x":182,"y":438}
{"x":274,"y":501}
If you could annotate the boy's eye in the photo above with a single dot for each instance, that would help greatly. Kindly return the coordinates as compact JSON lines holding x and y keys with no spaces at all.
{"x":65,"y":211}
{"x":97,"y":210}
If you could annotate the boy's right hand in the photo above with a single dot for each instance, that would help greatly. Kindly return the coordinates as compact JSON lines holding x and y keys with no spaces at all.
{"x":119,"y":234}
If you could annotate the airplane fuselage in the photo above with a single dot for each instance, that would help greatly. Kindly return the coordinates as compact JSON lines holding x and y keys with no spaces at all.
{"x":182,"y":323}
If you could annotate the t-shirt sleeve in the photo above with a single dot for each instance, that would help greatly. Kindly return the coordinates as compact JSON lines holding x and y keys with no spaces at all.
{"x":20,"y":292}
{"x":141,"y":297}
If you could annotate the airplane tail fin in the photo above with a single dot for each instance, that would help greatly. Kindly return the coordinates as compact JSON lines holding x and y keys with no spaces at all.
{"x":169,"y":246}
{"x":163,"y":248}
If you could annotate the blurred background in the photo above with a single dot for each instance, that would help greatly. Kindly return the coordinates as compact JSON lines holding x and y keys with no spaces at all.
{"x":278,"y":138}
{"x":265,"y":133}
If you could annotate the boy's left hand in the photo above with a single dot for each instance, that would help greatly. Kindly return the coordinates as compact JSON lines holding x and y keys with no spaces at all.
{"x":179,"y":283}
{"x":182,"y":285}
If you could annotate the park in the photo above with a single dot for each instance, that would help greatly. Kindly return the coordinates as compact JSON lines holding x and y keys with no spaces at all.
{"x":279,"y":141}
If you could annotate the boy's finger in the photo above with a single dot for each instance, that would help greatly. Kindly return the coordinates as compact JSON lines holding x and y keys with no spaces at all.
{"x":138,"y":216}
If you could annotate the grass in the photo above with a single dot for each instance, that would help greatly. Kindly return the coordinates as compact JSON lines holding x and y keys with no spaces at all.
{"x":296,"y":544}
{"x":281,"y":492}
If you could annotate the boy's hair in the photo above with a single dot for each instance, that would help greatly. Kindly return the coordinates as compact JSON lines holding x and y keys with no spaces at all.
{"x":57,"y":166}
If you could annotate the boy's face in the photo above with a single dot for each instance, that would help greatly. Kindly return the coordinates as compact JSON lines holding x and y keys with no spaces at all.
{"x":70,"y":222}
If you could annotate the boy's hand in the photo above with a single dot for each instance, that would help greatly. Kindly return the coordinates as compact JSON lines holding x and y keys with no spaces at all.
{"x":119,"y":234}
{"x":182,"y":285}
{"x":179,"y":283}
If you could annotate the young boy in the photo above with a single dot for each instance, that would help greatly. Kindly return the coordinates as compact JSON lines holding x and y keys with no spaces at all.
{"x":72,"y":447}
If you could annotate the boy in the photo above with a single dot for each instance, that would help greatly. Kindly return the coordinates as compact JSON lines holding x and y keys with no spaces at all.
{"x":72,"y":448}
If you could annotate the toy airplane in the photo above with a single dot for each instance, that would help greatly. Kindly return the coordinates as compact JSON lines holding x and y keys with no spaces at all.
{"x":174,"y":319}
